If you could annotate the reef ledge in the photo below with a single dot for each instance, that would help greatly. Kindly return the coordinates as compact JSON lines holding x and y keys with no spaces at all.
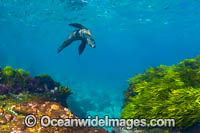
{"x":22,"y":95}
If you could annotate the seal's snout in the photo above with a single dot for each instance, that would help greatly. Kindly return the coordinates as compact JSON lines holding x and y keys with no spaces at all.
{"x":91,"y":42}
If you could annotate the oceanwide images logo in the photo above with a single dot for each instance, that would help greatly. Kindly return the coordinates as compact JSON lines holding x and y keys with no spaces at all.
{"x":45,"y":121}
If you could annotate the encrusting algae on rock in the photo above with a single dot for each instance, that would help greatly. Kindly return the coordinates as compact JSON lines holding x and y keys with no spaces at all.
{"x":11,"y":122}
{"x":22,"y":95}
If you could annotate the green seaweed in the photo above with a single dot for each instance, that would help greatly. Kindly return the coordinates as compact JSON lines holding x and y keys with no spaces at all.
{"x":13,"y":77}
{"x":19,"y":86}
{"x":166,"y":92}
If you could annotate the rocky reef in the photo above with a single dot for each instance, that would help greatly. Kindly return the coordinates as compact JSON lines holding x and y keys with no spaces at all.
{"x":166,"y":92}
{"x":22,"y":95}
{"x":17,"y":81}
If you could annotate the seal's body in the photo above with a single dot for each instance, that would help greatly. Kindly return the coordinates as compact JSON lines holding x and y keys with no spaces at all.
{"x":82,"y":34}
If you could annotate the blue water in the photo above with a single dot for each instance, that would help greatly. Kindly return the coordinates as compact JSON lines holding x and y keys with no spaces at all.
{"x":131,"y":36}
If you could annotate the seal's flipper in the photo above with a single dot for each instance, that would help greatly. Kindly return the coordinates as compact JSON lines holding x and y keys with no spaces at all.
{"x":82,"y":47}
{"x":65,"y":44}
{"x":76,"y":25}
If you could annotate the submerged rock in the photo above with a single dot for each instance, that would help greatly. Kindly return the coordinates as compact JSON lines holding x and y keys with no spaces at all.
{"x":16,"y":81}
{"x":22,"y":96}
{"x":13,"y":116}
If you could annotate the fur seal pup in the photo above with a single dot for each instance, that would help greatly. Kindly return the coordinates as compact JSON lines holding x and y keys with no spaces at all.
{"x":82,"y":34}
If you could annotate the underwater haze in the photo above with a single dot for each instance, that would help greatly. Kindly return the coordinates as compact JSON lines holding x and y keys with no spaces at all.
{"x":130,"y":35}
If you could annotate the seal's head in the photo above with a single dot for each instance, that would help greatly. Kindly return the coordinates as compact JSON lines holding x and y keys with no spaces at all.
{"x":91,"y":42}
